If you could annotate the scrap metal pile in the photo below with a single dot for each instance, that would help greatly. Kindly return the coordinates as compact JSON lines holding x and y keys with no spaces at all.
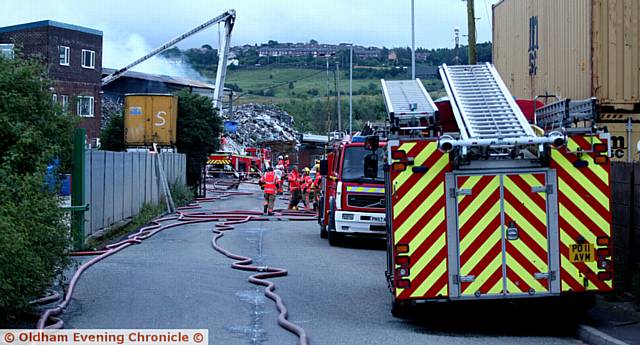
{"x":258,"y":123}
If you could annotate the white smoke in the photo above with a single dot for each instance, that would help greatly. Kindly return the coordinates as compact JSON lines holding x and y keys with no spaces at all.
{"x":121,"y":49}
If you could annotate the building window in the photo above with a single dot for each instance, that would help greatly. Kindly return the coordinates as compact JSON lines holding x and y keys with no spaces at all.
{"x":64,"y":55}
{"x":54,"y":98}
{"x":88,"y":58}
{"x":85,"y":106}
{"x":65,"y":101}
{"x":6,"y":50}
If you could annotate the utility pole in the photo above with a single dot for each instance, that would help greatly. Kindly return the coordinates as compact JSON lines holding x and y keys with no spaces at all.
{"x":351,"y":89}
{"x":413,"y":42}
{"x":471,"y":21}
{"x":328,"y":100}
{"x":456,"y":34}
{"x":337,"y":81}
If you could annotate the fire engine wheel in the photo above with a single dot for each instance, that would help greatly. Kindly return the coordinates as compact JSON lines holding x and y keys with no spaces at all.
{"x":401,"y":309}
{"x":323,"y":228}
{"x":336,"y":239}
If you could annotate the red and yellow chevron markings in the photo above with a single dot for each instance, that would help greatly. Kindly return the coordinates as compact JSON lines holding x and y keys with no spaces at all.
{"x":527,"y":256}
{"x":480,"y":228}
{"x":584,"y":212}
{"x":218,"y":161}
{"x":419,"y":219}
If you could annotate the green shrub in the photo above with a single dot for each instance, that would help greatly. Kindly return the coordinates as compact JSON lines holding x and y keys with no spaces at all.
{"x":33,"y":235}
{"x":33,"y":239}
{"x":112,"y":136}
{"x":182,"y":194}
{"x":147,"y":213}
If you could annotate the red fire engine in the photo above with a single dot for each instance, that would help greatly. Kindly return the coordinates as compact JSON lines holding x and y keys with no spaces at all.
{"x":260,"y":157}
{"x":350,"y":204}
{"x":251,"y":164}
{"x":494,"y":207}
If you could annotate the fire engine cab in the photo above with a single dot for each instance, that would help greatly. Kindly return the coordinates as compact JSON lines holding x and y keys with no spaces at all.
{"x":495,"y":207}
{"x":351,"y":203}
{"x":260,"y":157}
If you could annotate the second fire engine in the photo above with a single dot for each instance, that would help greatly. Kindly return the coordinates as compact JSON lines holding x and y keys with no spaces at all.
{"x":351,"y":204}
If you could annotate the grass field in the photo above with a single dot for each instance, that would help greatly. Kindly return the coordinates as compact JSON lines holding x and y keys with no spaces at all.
{"x":307,"y":83}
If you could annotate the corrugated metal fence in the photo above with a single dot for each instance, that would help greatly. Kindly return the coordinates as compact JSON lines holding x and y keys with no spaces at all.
{"x":625,"y":183}
{"x":117,"y":184}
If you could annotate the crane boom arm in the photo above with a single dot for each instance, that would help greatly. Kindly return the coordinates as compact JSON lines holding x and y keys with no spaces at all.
{"x":228,"y":17}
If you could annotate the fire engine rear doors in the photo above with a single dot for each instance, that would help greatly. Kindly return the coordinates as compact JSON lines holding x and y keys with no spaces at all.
{"x":502,"y":233}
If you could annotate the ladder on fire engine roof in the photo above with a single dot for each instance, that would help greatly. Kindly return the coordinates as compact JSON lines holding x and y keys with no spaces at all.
{"x":565,"y":113}
{"x":408,"y":104}
{"x":483,"y":107}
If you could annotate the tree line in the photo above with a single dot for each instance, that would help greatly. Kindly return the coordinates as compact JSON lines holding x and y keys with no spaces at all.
{"x":205,"y":58}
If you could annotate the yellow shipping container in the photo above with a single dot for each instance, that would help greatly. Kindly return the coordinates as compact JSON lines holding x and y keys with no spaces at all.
{"x":149,"y":119}
{"x":625,"y":135}
{"x":572,"y":48}
{"x":575,"y":49}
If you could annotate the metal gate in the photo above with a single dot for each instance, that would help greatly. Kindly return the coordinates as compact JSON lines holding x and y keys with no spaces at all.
{"x":502,"y":233}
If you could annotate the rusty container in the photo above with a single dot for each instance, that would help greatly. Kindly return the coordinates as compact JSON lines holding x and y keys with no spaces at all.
{"x":149,"y":119}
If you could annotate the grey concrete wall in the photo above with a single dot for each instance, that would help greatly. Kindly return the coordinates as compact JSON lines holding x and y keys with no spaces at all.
{"x":119,"y":183}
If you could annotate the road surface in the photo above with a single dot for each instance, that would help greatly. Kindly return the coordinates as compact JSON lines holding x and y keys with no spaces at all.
{"x":339,"y":295}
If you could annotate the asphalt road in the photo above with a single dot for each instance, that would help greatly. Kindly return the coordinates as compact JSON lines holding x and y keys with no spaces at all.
{"x":339,"y":295}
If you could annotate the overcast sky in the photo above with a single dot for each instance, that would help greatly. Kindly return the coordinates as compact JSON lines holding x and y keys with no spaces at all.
{"x":145,"y":24}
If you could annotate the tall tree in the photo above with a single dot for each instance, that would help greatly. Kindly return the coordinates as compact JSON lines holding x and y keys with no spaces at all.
{"x":198,"y":132}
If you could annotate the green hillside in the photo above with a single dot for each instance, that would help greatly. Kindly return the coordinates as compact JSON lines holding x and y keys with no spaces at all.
{"x":303,"y":93}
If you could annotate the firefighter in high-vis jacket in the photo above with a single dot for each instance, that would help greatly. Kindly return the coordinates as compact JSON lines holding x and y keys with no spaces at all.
{"x":315,"y":188}
{"x":294,"y":188}
{"x":307,"y":183}
{"x":280,"y":175}
{"x":268,"y":182}
{"x":287,"y":163}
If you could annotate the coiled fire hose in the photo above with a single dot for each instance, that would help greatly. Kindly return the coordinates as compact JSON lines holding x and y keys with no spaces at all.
{"x":225,"y":221}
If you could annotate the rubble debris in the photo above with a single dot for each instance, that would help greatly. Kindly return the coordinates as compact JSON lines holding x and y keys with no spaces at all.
{"x":258,"y":123}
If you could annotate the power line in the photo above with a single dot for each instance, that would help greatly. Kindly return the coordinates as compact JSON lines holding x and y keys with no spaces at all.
{"x":280,"y":84}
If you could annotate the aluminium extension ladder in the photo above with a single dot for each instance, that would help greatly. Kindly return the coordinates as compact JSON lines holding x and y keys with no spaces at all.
{"x":483,"y":107}
{"x":565,"y":113}
{"x":408,"y":103}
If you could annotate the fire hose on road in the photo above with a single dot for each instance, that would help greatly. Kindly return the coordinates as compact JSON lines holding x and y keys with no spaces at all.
{"x":225,"y":221}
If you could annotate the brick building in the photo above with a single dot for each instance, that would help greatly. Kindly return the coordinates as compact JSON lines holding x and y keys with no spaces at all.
{"x":74,"y":56}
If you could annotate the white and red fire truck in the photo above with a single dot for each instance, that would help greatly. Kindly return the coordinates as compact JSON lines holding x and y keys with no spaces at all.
{"x":350,"y":204}
{"x":496,"y":206}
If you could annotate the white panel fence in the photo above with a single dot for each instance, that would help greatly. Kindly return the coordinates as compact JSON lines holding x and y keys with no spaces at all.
{"x":117,"y":184}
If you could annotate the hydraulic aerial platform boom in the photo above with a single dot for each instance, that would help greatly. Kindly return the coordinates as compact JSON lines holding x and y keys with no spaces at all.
{"x":228,"y":18}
